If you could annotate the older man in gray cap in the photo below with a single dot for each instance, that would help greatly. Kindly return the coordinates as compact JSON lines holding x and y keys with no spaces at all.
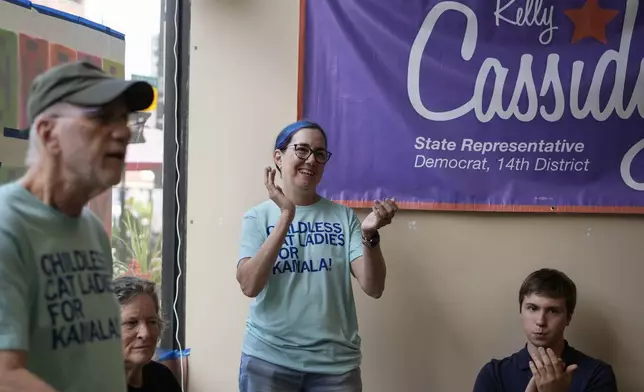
{"x":59,"y":321}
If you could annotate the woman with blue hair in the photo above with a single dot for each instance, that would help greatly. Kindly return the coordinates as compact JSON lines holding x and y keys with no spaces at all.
{"x":297,"y":254}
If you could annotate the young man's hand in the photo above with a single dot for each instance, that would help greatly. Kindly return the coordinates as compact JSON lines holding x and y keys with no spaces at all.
{"x":549,"y":373}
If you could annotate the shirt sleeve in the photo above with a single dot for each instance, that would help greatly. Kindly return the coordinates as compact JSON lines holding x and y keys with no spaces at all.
{"x":252,"y":236}
{"x":355,"y":237}
{"x":485,"y":381}
{"x":603,"y":380}
{"x":14,"y":296}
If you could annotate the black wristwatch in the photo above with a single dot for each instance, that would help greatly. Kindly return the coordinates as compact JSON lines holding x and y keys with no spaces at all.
{"x":372,"y":241}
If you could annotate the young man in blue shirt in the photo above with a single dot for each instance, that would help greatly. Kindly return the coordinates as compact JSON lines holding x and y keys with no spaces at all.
{"x":547,"y":363}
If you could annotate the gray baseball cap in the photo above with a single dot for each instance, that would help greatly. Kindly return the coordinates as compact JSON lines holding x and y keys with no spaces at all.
{"x":84,"y":84}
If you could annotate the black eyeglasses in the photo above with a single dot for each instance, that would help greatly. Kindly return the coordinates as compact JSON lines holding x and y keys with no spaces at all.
{"x":303,"y":152}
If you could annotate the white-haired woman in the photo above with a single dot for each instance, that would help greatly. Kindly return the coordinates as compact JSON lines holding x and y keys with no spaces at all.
{"x":141,"y":326}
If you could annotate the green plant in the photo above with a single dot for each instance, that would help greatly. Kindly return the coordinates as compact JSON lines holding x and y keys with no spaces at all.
{"x":119,"y":268}
{"x":140,"y":247}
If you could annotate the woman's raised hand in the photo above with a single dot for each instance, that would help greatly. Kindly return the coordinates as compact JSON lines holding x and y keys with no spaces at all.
{"x":275,"y":192}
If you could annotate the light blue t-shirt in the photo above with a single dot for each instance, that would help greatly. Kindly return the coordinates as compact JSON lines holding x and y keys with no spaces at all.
{"x":305,"y":317}
{"x":55,"y":298}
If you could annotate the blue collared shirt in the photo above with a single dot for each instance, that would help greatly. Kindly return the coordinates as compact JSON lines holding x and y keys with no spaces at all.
{"x":512,"y":374}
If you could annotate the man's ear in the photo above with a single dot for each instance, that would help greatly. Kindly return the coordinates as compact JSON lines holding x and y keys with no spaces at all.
{"x":48,"y":135}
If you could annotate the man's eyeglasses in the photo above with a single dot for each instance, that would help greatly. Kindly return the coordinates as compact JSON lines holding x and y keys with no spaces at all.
{"x":303,"y":152}
{"x":135,"y":121}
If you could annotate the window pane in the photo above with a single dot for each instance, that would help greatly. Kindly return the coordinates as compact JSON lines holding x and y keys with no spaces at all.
{"x":137,"y":202}
{"x":133,"y":209}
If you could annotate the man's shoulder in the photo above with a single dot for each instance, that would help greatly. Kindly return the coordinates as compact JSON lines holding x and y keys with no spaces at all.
{"x":583,"y":357}
{"x":9,"y":194}
{"x":13,"y":201}
{"x":512,"y":360}
{"x":498,"y":369}
{"x":596,"y":371}
{"x":10,"y":188}
{"x":20,"y":206}
{"x":92,"y":219}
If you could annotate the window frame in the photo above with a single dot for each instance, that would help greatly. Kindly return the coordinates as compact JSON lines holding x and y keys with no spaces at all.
{"x":173,"y":274}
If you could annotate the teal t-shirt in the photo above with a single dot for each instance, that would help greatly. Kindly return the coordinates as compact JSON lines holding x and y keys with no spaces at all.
{"x":55,"y":298}
{"x":305,"y":317}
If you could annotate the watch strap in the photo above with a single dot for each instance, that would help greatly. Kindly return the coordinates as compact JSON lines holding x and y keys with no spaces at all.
{"x":372,"y":241}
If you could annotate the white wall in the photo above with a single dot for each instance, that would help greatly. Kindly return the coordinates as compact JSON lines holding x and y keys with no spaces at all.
{"x":242,"y":90}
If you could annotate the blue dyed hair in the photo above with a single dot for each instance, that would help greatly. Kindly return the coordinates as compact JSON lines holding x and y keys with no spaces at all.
{"x":287,"y":133}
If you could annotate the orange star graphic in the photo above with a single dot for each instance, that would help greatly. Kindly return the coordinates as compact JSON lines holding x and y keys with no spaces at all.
{"x":590,"y":21}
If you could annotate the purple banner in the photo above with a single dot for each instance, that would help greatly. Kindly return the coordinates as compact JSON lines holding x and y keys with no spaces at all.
{"x":479,"y":105}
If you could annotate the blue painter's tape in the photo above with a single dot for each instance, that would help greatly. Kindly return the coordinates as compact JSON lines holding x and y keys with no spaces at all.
{"x":15,"y":133}
{"x":22,"y":3}
{"x":68,"y":17}
{"x":56,"y":13}
{"x":92,"y":25}
{"x":101,"y":28}
{"x":116,"y":34}
{"x":173,"y":354}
